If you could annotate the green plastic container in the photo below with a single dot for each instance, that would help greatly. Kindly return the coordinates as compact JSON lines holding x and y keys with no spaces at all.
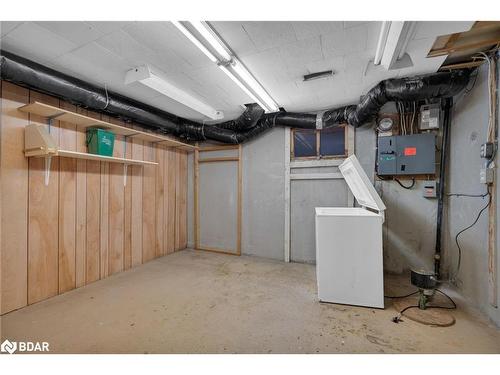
{"x":100,"y":142}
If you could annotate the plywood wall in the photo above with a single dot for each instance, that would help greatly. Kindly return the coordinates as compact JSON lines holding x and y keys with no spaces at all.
{"x":85,"y":225}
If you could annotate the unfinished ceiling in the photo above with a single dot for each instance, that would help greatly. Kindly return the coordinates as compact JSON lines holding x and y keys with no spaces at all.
{"x":462,"y":49}
{"x":277,"y":53}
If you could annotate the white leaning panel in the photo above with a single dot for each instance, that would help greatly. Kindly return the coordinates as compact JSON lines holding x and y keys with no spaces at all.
{"x":360,"y":184}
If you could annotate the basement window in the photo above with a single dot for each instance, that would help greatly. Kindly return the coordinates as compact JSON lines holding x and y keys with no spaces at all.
{"x":319,"y":144}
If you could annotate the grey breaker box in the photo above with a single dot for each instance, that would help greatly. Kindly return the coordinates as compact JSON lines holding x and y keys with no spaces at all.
{"x":406,"y":154}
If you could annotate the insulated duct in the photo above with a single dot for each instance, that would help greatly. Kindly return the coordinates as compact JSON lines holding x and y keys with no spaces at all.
{"x":250,"y":124}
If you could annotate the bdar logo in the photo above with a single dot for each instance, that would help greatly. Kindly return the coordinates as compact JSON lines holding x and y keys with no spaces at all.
{"x":8,"y":347}
{"x":24,"y":346}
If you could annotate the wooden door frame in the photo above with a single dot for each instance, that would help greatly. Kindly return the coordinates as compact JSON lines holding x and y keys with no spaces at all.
{"x":197,"y":161}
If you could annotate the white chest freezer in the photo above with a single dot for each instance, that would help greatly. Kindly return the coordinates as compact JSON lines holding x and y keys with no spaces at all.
{"x":349,"y":259}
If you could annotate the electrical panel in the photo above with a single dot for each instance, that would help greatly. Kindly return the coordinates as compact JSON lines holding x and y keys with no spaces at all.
{"x":386,"y":160}
{"x":406,"y":154}
{"x":430,"y":116}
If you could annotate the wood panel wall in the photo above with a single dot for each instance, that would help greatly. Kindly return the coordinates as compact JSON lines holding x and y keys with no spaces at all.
{"x":85,"y":225}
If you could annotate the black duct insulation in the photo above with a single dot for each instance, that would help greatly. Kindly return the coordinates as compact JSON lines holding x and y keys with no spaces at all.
{"x":250,"y":124}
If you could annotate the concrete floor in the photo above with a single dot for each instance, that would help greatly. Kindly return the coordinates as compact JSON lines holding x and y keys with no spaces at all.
{"x":198,"y":302}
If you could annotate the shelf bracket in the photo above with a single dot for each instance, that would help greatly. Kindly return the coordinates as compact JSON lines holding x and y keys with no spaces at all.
{"x":48,"y":160}
{"x":50,"y":120}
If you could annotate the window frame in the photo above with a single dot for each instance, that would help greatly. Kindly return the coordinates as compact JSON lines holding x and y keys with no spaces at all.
{"x":318,"y":156}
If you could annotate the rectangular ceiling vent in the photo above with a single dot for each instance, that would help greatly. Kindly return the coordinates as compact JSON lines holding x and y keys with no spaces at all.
{"x":318,"y":75}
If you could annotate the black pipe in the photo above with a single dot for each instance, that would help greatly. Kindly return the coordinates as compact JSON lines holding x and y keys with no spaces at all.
{"x":250,"y":124}
{"x":247,"y":120}
{"x":437,"y":85}
{"x":441,"y":188}
{"x":35,"y":76}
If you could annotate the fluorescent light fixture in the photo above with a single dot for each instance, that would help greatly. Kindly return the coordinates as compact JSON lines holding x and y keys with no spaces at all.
{"x":318,"y":75}
{"x":382,"y":39}
{"x":393,"y":39}
{"x":243,"y":87}
{"x":409,"y":33}
{"x":195,"y":41}
{"x":208,"y":34}
{"x":229,"y":64}
{"x":144,"y":75}
{"x":245,"y":75}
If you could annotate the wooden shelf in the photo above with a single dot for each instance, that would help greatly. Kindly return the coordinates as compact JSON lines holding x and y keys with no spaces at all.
{"x":38,"y":143}
{"x":59,"y":114}
{"x":111,"y":159}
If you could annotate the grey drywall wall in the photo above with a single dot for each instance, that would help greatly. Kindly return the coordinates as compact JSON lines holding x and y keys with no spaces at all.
{"x":468,"y":131}
{"x":410,"y":219}
{"x":305,"y":195}
{"x":409,"y":229}
{"x":263,"y":202}
{"x":263,"y":195}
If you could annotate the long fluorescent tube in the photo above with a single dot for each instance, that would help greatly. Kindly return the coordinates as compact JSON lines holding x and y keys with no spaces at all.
{"x":409,"y":33}
{"x":235,"y":70}
{"x":398,"y":37}
{"x":195,"y":41}
{"x":243,"y":87}
{"x":209,"y":36}
{"x":144,"y":75}
{"x":245,"y":75}
{"x":382,"y":39}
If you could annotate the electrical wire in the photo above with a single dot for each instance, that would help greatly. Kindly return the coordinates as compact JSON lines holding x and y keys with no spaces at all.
{"x":404,"y":117}
{"x":107,"y":96}
{"x":459,"y":261}
{"x":490,"y":160}
{"x":399,"y":182}
{"x":397,"y":318}
{"x":468,"y":90}
{"x":406,"y":295}
{"x":413,"y":127}
{"x":490,"y":123}
{"x":467,"y":195}
{"x":406,"y":187}
{"x":453,"y":306}
{"x":401,"y":125}
{"x":402,"y":121}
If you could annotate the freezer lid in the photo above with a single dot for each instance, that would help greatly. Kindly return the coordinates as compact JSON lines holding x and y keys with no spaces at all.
{"x":360,"y":184}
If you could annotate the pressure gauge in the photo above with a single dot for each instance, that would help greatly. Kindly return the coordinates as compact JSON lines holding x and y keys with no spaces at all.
{"x":385,"y":124}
